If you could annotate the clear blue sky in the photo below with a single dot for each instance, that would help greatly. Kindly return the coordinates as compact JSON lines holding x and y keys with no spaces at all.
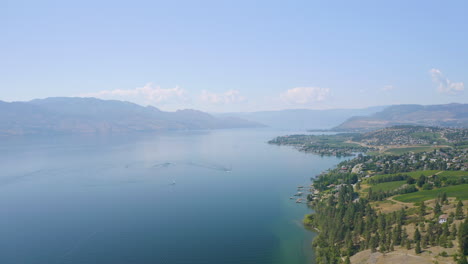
{"x":236,"y":55}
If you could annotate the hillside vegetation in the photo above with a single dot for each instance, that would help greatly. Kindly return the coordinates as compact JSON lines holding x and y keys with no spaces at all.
{"x":391,"y":203}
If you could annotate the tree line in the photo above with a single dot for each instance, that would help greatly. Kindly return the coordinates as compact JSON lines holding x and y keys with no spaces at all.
{"x":348,"y":224}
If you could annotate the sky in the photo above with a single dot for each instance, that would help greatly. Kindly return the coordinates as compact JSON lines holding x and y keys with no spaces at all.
{"x":236,"y":56}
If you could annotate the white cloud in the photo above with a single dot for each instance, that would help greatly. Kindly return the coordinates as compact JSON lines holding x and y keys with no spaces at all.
{"x":388,"y":88}
{"x":444,"y":85}
{"x":229,"y":97}
{"x":305,"y":95}
{"x":148,"y":94}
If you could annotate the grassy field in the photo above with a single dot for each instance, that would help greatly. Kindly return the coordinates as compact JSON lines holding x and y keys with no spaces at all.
{"x":399,"y":151}
{"x":414,"y":174}
{"x":458,"y":191}
{"x":454,"y":173}
{"x":387,"y":186}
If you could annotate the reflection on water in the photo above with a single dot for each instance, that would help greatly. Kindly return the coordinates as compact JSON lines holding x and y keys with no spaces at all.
{"x":154,"y":199}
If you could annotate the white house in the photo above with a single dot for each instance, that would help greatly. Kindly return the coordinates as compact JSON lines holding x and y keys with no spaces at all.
{"x":442,"y":219}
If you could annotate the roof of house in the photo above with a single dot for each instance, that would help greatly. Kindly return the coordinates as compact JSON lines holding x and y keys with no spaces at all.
{"x":444,"y":216}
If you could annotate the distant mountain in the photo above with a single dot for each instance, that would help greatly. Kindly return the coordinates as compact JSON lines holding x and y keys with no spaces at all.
{"x":303,"y":119}
{"x":91,"y":115}
{"x":448,"y":115}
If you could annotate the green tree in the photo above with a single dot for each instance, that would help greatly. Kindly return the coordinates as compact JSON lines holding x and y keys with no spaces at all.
{"x":417,"y":249}
{"x":408,"y":244}
{"x":425,"y":241}
{"x":453,"y":232}
{"x":444,"y":198}
{"x":428,"y":186}
{"x":402,"y":217}
{"x":443,"y":241}
{"x":459,"y":211}
{"x":422,"y":209}
{"x":462,"y":260}
{"x":437,"y":209}
{"x":450,"y":244}
{"x":373,"y":244}
{"x":370,"y":194}
{"x":404,"y":237}
{"x":417,"y":235}
{"x":421,"y":180}
{"x":463,"y":237}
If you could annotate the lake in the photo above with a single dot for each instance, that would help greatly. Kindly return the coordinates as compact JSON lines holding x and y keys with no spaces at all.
{"x":182,"y":197}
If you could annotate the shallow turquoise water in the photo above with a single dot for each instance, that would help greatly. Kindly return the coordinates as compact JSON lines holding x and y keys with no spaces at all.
{"x":111,"y":199}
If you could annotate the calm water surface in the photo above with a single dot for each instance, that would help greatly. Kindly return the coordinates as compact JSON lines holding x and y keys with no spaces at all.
{"x":112,"y":199}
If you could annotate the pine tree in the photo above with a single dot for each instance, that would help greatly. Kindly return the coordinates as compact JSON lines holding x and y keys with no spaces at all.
{"x":422,"y":209}
{"x":421,"y":180}
{"x":450,"y":244}
{"x":408,"y":244}
{"x":417,"y":249}
{"x":424,"y":241}
{"x":396,"y":237}
{"x":402,"y":217}
{"x":444,"y":198}
{"x":437,"y":209}
{"x":417,"y":235}
{"x":463,"y":237}
{"x":382,"y":248}
{"x":443,"y":241}
{"x":445,"y":230}
{"x":383,"y":239}
{"x":404,"y":236}
{"x":459,"y":211}
{"x":453,"y":232}
{"x":373,"y":244}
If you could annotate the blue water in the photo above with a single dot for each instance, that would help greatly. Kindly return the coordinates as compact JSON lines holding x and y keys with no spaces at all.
{"x":112,"y":199}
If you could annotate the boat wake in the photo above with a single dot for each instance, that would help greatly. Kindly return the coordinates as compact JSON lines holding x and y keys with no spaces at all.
{"x":210,"y":166}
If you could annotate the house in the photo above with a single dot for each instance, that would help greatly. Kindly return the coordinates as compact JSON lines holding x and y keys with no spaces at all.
{"x":443,"y":219}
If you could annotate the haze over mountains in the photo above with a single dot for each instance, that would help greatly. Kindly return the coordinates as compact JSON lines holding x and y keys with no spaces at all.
{"x":448,"y":115}
{"x":303,"y":119}
{"x":66,"y":115}
{"x":366,"y":119}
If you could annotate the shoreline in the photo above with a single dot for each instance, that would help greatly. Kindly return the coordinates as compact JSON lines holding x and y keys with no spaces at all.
{"x":349,"y":198}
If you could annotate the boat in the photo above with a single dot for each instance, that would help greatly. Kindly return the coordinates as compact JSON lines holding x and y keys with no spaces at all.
{"x":299,"y":200}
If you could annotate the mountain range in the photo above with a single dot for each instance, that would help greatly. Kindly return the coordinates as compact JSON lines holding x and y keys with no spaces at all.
{"x":65,"y":115}
{"x":303,"y":119}
{"x":447,"y":115}
{"x":72,"y":115}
